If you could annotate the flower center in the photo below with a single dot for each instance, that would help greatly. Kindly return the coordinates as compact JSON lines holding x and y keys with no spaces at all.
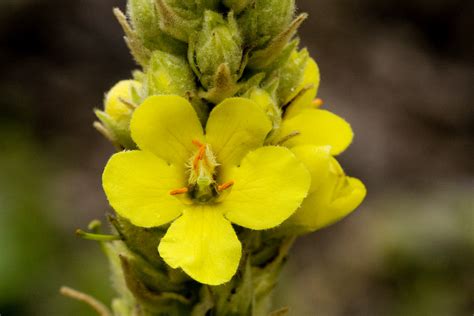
{"x":202,"y":186}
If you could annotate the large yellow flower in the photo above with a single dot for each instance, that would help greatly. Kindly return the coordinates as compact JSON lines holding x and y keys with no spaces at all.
{"x":203,"y":182}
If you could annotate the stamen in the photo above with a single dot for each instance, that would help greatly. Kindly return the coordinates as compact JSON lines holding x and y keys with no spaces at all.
{"x":288,"y":137}
{"x":199,"y":156}
{"x":225,"y":186}
{"x":318,"y":102}
{"x":128,"y":103}
{"x":197,"y":143}
{"x":179,"y":191}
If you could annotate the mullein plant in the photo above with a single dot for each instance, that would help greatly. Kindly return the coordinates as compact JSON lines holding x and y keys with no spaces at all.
{"x":224,"y":157}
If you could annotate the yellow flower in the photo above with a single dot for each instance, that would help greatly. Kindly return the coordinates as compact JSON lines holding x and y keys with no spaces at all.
{"x":203,"y":183}
{"x":315,"y":136}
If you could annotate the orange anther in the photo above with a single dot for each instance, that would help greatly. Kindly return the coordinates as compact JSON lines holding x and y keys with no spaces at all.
{"x":202,"y":150}
{"x":197,"y":143}
{"x":225,"y":186}
{"x":199,"y":156}
{"x":318,"y":102}
{"x":179,"y":191}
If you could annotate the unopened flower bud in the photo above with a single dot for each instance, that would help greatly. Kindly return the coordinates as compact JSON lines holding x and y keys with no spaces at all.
{"x":119,"y":104}
{"x":169,"y":74}
{"x":292,"y":76}
{"x":306,"y":91}
{"x":218,"y":43}
{"x":145,"y":22}
{"x":237,"y":5}
{"x":119,"y":100}
{"x":180,"y":18}
{"x":265,"y":19}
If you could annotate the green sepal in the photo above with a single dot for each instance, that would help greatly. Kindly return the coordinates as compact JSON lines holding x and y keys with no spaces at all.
{"x":140,"y":53}
{"x":178,"y":20}
{"x":159,"y":303}
{"x":241,"y":302}
{"x":279,"y":61}
{"x":237,"y":5}
{"x":264,"y":19}
{"x":291,"y":75}
{"x":145,"y":22}
{"x":253,"y":81}
{"x":117,"y":132}
{"x":112,"y":250}
{"x":154,"y":279}
{"x":224,"y":86}
{"x":142,"y":241}
{"x":266,"y":278}
{"x":168,"y":74}
{"x":264,"y":58}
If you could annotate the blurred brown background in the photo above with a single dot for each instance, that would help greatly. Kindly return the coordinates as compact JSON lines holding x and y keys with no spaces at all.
{"x":401,"y":72}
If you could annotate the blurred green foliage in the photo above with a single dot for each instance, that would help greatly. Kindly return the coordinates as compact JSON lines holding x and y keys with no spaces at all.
{"x":36,"y":254}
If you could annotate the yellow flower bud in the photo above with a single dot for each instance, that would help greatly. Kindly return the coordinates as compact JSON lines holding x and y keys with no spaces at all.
{"x":119,"y":100}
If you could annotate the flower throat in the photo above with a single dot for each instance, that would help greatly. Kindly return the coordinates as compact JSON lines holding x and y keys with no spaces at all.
{"x":202,"y":186}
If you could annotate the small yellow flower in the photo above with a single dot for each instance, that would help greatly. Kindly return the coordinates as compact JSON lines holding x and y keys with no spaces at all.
{"x":204,"y":182}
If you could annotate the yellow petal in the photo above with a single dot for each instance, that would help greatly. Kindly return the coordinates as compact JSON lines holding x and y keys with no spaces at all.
{"x":335,"y":199}
{"x":270,"y":185}
{"x":312,"y":75}
{"x":138,"y":185}
{"x":235,"y":127}
{"x":301,"y":102}
{"x":166,"y":125}
{"x":202,"y":243}
{"x":317,"y":160}
{"x":317,"y":127}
